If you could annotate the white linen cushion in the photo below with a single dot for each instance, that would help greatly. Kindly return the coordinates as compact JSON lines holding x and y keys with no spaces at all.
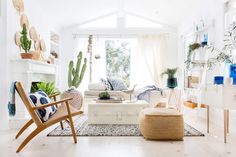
{"x":117,"y":84}
{"x":96,"y":86}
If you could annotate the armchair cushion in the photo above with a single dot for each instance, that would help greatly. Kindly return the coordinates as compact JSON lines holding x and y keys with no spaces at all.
{"x":40,"y":98}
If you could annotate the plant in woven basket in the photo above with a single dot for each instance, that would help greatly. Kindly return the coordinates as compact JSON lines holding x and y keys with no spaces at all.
{"x":75,"y":77}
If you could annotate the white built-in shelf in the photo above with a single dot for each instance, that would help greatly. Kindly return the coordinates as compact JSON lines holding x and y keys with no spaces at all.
{"x":199,"y":62}
{"x":53,"y":43}
{"x":205,"y":28}
{"x":196,"y":68}
{"x":194,"y":89}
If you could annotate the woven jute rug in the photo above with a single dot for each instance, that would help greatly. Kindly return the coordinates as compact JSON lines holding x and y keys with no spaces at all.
{"x":84,"y":129}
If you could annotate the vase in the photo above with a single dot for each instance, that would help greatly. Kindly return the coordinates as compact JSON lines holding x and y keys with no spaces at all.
{"x":232,"y":70}
{"x":77,"y":100}
{"x":172,"y":82}
{"x":218,"y":80}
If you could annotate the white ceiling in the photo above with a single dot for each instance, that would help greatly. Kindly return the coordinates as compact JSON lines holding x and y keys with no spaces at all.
{"x":70,"y":12}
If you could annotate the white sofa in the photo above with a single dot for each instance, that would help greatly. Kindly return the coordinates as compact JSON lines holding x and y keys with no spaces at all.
{"x":89,"y":95}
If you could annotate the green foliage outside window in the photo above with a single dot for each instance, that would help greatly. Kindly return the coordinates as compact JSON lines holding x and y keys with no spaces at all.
{"x":118,"y":59}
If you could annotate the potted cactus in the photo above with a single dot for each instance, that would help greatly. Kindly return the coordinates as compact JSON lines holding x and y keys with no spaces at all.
{"x":75,"y":77}
{"x":25,"y":44}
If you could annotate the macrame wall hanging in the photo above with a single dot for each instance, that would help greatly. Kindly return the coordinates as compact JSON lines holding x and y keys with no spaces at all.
{"x":90,"y":57}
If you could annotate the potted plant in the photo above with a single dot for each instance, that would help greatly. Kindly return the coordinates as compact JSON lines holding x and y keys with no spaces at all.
{"x":104,"y":95}
{"x":171,"y":80}
{"x":48,"y":87}
{"x":191,"y":49}
{"x":75,"y":77}
{"x":25,"y":44}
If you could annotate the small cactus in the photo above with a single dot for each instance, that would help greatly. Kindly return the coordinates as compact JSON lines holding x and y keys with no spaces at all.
{"x":75,"y":75}
{"x":25,"y":43}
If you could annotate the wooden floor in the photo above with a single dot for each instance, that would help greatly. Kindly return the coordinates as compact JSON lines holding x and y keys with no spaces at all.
{"x":211,"y":145}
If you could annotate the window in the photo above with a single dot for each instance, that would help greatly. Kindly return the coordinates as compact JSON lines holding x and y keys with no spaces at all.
{"x":114,"y":61}
{"x":118,"y":59}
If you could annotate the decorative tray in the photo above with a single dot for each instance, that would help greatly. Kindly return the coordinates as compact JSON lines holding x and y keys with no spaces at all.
{"x":111,"y":100}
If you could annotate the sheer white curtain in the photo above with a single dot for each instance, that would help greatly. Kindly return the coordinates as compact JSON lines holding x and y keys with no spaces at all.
{"x":147,"y":60}
{"x":98,"y":65}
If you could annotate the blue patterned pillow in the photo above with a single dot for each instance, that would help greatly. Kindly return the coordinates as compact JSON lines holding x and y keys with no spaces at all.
{"x":117,"y":84}
{"x":39,"y":98}
{"x":106,"y":84}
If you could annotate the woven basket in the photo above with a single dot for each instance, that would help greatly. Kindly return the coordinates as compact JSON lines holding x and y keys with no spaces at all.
{"x":77,"y":100}
{"x":161,"y":124}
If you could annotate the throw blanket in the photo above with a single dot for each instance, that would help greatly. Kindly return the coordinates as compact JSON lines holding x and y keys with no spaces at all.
{"x":11,"y":103}
{"x":144,"y":93}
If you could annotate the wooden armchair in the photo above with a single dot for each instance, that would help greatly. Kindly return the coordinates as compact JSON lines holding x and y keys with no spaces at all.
{"x":64,"y":112}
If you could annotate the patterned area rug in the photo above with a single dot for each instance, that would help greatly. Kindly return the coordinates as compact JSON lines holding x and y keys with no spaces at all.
{"x":84,"y":129}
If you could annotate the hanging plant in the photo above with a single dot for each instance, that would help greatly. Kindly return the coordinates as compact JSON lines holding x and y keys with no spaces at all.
{"x":194,"y":46}
{"x":191,"y":49}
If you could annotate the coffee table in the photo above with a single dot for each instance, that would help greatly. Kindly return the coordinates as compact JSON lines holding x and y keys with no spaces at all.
{"x":115,"y":113}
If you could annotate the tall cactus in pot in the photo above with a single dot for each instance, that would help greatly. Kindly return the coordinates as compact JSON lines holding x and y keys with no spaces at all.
{"x":75,"y":75}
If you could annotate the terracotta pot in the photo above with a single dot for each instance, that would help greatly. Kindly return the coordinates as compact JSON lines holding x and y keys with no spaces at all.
{"x":77,"y":100}
{"x":27,"y":55}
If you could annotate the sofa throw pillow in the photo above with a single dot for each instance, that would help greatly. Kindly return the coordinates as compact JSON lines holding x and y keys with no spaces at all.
{"x":106,"y":84}
{"x":40,"y":98}
{"x":97,"y":86}
{"x":117,"y":84}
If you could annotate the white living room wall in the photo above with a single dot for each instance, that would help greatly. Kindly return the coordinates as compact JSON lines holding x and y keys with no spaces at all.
{"x":210,"y":10}
{"x":9,"y":24}
{"x":36,"y":17}
{"x":3,"y":67}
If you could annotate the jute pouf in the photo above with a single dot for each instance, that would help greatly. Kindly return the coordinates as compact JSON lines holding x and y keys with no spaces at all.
{"x":161,"y":124}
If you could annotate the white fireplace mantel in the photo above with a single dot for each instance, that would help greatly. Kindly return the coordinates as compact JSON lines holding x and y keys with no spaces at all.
{"x":28,"y":71}
{"x":32,"y":66}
